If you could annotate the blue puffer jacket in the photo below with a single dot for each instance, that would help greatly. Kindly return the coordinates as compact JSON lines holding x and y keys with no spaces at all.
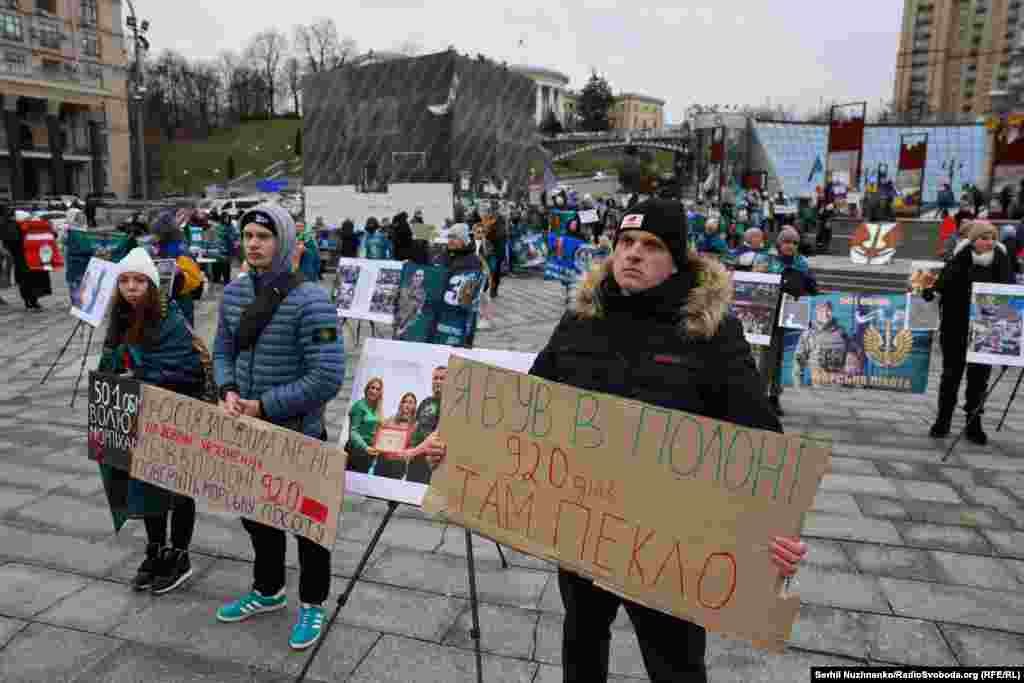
{"x":298,"y":363}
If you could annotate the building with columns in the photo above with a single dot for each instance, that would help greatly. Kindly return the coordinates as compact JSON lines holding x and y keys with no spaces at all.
{"x":551,"y":90}
{"x":632,"y":111}
{"x":65,"y":110}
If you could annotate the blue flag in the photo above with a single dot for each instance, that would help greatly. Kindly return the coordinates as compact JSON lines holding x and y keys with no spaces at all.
{"x":817,"y":168}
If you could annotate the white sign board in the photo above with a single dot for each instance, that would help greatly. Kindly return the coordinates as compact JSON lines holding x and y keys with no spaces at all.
{"x":997,"y":325}
{"x":338,"y":202}
{"x":367,"y":289}
{"x":405,"y":378}
{"x":90,"y":302}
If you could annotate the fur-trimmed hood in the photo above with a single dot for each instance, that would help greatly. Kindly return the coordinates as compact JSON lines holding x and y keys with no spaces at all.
{"x":700,"y":316}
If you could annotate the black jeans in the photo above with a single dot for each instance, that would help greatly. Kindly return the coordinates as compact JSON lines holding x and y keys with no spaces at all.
{"x":673,"y":649}
{"x":222,"y":272}
{"x":499,"y":252}
{"x":954,"y":362}
{"x":183,"y":522}
{"x":269,"y":547}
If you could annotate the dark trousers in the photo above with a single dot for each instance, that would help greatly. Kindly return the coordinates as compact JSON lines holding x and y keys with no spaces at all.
{"x":269,"y":548}
{"x":183,"y":522}
{"x":222,"y":272}
{"x":21,"y":272}
{"x":673,"y":649}
{"x":499,"y":250}
{"x":954,"y":362}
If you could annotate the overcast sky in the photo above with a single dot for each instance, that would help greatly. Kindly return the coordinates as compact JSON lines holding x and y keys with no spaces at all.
{"x":794,"y":52}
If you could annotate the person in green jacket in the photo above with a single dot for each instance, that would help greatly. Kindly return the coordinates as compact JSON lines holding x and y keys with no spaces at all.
{"x":363,"y":420}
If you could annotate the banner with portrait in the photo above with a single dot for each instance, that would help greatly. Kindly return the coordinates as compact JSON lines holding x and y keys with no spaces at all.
{"x":438,"y":304}
{"x":367,"y":289}
{"x":997,"y":324}
{"x":395,"y":405}
{"x":857,"y":340}
{"x":81,"y":245}
{"x":570,"y":257}
{"x":91,"y":299}
{"x":529,"y":250}
{"x":923,"y":315}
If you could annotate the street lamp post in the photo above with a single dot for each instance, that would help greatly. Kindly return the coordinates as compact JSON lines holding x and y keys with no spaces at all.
{"x":141,"y":44}
{"x":1000,"y":107}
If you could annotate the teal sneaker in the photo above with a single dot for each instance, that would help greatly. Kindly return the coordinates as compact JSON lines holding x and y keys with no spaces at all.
{"x":308,"y":628}
{"x":251,"y":604}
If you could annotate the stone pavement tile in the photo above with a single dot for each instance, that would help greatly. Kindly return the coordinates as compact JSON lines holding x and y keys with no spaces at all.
{"x":69,"y":515}
{"x":8,"y":628}
{"x":838,"y":589}
{"x":875,"y":636}
{"x":28,"y":591}
{"x":400,"y":660}
{"x":61,"y":552}
{"x":448,"y":575}
{"x":1017,"y":567}
{"x":824,"y":525}
{"x":35,"y":477}
{"x":735,"y":661}
{"x":97,"y":608}
{"x":187,"y":623}
{"x":1006,"y":543}
{"x":72,"y":463}
{"x":956,"y":604}
{"x":904,"y":470}
{"x":887,"y":453}
{"x":138,"y":663}
{"x":12,"y":498}
{"x":83,"y":487}
{"x":125,"y":571}
{"x":955,"y":515}
{"x":939,"y":537}
{"x":886,"y":508}
{"x":412,"y":534}
{"x":343,"y":649}
{"x":837,"y":503}
{"x":854,"y":483}
{"x":45,"y":654}
{"x":486,"y":551}
{"x":843,"y":465}
{"x":928,"y":491}
{"x":992,"y":497}
{"x":1015,"y":515}
{"x":900,"y":563}
{"x":976,"y":570}
{"x":553,"y":674}
{"x":625,"y":658}
{"x":503,"y":631}
{"x":982,"y":647}
{"x":990,"y":461}
{"x":403,"y":612}
{"x":221,"y":579}
{"x":826,"y":555}
{"x":1011,"y":481}
{"x":961,"y":477}
{"x":345,"y":556}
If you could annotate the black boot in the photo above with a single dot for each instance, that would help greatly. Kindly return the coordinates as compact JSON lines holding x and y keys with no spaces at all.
{"x":940,"y":429}
{"x":774,"y":401}
{"x":175,"y":570}
{"x":148,"y":569}
{"x":974,"y":433}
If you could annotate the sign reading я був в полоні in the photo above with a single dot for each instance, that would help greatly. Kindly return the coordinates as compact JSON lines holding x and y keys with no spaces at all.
{"x":671,"y":510}
{"x":113,"y":419}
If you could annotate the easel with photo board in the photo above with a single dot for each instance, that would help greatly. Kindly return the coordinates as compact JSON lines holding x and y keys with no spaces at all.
{"x":394,"y":362}
{"x":1008,"y":316}
{"x":359,"y":308}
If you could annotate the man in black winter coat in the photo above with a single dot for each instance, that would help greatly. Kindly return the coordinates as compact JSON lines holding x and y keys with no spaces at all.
{"x":652,"y":324}
{"x":978,"y":258}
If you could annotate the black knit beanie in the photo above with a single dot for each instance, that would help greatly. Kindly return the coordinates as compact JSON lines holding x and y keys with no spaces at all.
{"x":665,"y":218}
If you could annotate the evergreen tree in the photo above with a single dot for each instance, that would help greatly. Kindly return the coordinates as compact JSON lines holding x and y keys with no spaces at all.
{"x":594,"y":101}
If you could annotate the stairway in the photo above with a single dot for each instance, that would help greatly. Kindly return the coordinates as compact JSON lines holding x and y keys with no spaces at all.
{"x":862,"y":280}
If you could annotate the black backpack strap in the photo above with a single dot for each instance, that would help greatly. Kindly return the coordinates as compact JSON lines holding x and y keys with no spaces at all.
{"x":260,"y":312}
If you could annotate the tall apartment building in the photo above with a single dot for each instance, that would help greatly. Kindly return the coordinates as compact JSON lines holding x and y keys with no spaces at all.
{"x":953,"y":53}
{"x":65,"y":109}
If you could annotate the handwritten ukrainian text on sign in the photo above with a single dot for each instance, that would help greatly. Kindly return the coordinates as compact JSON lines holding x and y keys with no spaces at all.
{"x":244,"y":466}
{"x":672,"y":510}
{"x":113,"y":419}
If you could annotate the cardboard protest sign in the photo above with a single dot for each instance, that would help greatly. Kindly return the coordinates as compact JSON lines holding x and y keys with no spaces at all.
{"x":997,"y":325}
{"x":241,"y":466}
{"x":113,"y":419}
{"x":402,"y":383}
{"x":755,"y":302}
{"x":91,"y":299}
{"x":670,"y":510}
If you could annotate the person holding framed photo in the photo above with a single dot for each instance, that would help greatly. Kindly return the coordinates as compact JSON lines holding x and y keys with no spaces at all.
{"x":393,"y":437}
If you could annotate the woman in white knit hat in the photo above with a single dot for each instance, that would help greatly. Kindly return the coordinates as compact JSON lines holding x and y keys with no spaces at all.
{"x":149,"y":340}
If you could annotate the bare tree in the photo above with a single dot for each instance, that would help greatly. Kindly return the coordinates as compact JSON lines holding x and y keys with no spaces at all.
{"x":293,"y":79}
{"x":266,"y":50}
{"x":321,"y":47}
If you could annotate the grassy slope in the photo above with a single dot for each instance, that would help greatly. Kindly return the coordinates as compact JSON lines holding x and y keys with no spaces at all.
{"x":253,"y":145}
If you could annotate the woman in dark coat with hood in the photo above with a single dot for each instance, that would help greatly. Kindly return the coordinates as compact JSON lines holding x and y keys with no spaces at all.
{"x":349,"y":240}
{"x":978,"y":258}
{"x":33,"y":285}
{"x":401,"y":237}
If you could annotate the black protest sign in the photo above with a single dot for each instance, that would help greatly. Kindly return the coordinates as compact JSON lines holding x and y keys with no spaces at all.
{"x":113,"y":419}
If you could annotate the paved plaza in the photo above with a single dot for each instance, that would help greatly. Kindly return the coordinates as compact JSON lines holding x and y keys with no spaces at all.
{"x":912,"y":560}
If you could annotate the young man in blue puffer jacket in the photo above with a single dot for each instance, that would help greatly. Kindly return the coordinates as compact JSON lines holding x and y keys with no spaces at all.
{"x":286,"y":376}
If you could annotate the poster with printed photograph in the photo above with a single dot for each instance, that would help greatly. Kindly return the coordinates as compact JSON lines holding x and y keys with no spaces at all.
{"x":997,"y":325}
{"x":857,"y":340}
{"x":91,"y":299}
{"x":529,"y":250}
{"x":794,"y":314}
{"x":438,"y":305}
{"x":367,"y":289}
{"x":755,"y":301}
{"x":167,"y":269}
{"x":921,"y":314}
{"x":395,"y":405}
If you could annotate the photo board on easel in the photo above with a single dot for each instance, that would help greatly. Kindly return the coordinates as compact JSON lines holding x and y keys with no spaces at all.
{"x":90,"y":301}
